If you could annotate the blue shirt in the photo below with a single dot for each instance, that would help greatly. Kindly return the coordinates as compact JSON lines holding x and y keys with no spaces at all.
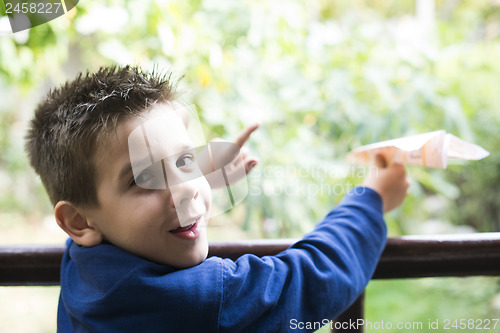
{"x":106,"y":289}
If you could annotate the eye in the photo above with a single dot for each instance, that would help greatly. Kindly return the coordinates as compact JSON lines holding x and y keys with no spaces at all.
{"x":142,"y":179}
{"x":184,"y":161}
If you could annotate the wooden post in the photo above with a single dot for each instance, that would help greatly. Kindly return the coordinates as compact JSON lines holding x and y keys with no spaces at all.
{"x":352,"y":314}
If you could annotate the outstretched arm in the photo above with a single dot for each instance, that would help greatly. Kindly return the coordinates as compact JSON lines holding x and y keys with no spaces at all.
{"x":322,"y":274}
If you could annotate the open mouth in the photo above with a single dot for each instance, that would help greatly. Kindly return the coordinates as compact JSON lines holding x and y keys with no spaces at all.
{"x":186,"y":228}
{"x":188,"y":232}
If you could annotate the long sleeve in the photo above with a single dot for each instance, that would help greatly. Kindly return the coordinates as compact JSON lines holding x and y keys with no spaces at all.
{"x":106,"y":289}
{"x":314,"y":280}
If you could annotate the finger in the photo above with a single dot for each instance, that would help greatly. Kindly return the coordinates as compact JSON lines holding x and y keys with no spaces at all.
{"x":245,"y":134}
{"x":249,"y":165}
{"x":380,"y":161}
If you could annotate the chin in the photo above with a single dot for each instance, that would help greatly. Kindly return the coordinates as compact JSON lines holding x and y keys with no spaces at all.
{"x":192,"y":260}
{"x":193,"y":257}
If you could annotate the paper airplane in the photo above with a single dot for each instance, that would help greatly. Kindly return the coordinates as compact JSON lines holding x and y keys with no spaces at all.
{"x":432,"y":150}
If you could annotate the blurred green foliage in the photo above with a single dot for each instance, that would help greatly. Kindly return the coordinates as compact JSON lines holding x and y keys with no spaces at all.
{"x":323,"y":76}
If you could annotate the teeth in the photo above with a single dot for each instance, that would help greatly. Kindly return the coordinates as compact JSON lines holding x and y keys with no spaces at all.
{"x":190,"y":222}
{"x":184,"y":228}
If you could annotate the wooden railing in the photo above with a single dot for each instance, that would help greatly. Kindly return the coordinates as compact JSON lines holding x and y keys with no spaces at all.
{"x":404,"y":257}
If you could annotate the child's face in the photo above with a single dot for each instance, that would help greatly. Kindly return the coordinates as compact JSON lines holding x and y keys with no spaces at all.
{"x":147,"y":222}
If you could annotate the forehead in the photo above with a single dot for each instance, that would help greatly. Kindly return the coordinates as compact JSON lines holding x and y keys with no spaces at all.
{"x":157,"y":138}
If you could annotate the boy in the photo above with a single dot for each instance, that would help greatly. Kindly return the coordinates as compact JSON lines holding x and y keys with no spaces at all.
{"x":136,"y":257}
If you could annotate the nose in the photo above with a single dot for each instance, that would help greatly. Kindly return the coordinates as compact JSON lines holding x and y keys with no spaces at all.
{"x":183,"y":193}
{"x":186,"y":205}
{"x":180,"y":191}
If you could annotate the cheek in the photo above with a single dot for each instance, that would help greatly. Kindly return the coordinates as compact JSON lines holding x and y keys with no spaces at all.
{"x":145,"y":206}
{"x":205,"y":191}
{"x":144,"y":211}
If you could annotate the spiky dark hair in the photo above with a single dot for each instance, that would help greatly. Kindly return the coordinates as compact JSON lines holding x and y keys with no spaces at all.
{"x":72,"y":121}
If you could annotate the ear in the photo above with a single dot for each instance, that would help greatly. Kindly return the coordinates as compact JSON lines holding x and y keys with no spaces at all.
{"x":75,"y":224}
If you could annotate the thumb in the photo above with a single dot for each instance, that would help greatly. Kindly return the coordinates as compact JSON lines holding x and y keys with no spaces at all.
{"x":380,"y":161}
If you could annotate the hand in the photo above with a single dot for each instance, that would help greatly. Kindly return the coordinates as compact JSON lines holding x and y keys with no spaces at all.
{"x":390,"y":181}
{"x":242,"y":158}
{"x":227,"y":153}
{"x":250,"y":162}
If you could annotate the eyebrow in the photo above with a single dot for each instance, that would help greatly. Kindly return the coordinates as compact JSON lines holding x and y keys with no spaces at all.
{"x":127,"y":168}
